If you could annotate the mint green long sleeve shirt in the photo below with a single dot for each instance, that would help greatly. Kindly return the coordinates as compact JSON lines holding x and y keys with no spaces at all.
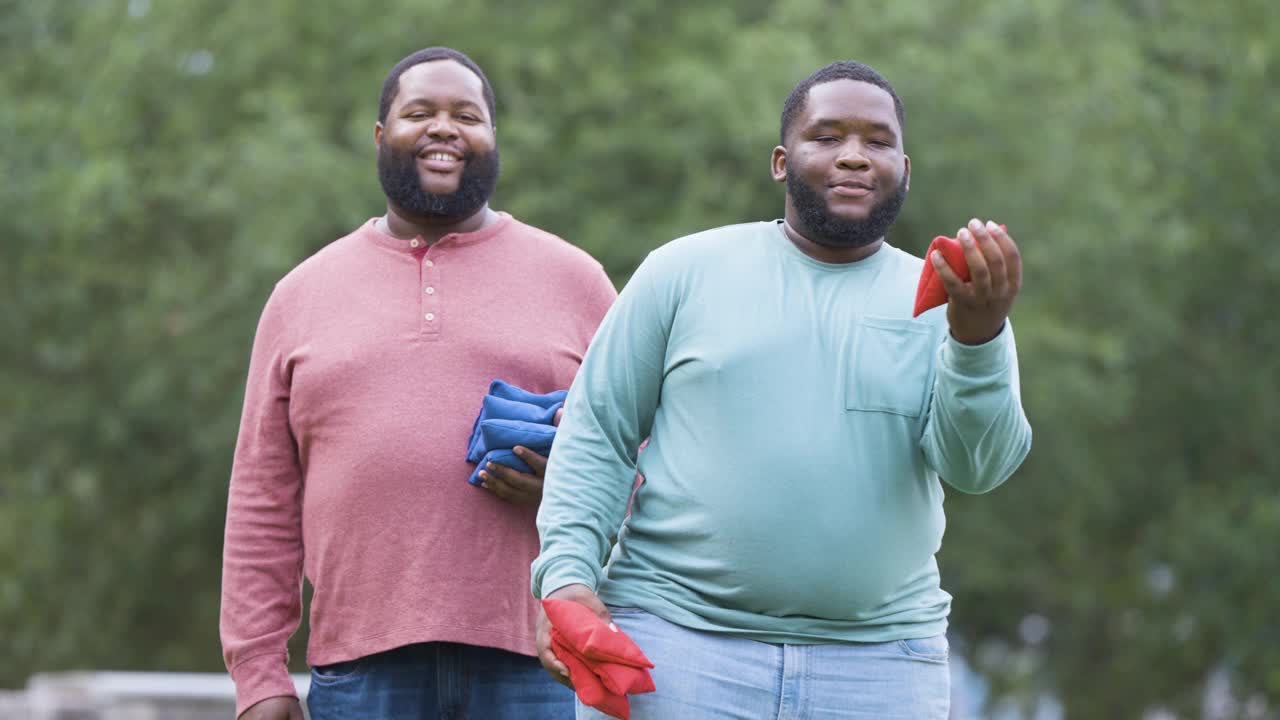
{"x":799,"y":423}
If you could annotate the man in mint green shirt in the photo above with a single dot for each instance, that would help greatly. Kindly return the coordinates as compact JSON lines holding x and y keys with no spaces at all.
{"x":778,"y":560}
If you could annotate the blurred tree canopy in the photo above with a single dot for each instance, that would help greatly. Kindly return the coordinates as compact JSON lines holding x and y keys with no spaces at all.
{"x":169,"y":161}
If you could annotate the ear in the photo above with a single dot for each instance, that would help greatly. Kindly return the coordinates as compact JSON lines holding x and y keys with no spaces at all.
{"x":778,"y":164}
{"x":377,"y":134}
{"x":906,"y":161}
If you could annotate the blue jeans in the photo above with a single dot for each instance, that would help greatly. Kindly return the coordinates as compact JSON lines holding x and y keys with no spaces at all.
{"x":445,"y":681}
{"x":702,"y":675}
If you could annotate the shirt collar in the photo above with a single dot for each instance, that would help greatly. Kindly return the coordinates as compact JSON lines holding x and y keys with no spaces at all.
{"x":414,"y":245}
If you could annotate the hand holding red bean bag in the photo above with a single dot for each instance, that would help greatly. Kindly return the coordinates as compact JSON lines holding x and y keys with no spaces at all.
{"x":604,"y":664}
{"x":930,"y":292}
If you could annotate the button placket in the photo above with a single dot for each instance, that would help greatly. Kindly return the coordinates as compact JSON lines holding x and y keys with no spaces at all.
{"x":430,"y":295}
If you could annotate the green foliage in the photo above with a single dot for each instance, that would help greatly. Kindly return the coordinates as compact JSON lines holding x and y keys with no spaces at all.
{"x":168,"y":161}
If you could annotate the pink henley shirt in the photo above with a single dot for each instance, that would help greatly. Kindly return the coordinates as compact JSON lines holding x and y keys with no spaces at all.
{"x":368,"y":368}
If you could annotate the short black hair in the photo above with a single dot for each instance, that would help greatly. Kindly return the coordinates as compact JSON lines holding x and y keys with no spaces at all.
{"x":391,"y":86}
{"x":841,"y":70}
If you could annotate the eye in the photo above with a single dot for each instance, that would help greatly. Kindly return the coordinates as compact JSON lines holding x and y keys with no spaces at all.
{"x":416,"y":115}
{"x":880,"y":144}
{"x":825,"y":140}
{"x":468,"y":117}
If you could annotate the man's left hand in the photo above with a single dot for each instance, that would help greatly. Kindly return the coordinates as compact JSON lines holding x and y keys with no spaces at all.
{"x":978,"y":309}
{"x":511,"y":484}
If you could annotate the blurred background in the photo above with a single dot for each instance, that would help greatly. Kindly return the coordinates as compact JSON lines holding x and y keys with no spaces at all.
{"x":166,"y":161}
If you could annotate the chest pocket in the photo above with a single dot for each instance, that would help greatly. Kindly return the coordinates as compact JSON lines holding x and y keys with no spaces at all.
{"x":891,"y":366}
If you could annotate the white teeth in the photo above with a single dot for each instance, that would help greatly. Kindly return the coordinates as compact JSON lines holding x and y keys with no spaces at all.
{"x":440,"y":156}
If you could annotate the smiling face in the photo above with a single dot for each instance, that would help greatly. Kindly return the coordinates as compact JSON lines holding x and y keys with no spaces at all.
{"x":844,"y":166}
{"x":437,"y":150}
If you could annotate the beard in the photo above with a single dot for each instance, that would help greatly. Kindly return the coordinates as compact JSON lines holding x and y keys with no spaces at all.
{"x":398,"y":173}
{"x":824,"y":228}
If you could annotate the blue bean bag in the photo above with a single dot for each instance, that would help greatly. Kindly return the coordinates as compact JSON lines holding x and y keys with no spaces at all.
{"x":511,"y":416}
{"x":507,"y":391}
{"x":498,"y":408}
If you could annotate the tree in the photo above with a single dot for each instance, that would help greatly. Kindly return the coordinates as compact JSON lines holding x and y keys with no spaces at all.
{"x":172,"y":160}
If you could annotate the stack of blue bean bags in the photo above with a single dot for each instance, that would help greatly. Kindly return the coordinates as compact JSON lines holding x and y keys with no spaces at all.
{"x":511,"y":416}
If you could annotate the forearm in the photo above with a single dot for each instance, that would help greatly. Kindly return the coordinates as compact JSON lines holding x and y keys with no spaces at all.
{"x":262,"y":548}
{"x":261,"y":587}
{"x":977,"y":433}
{"x":592,"y":467}
{"x":609,"y":411}
{"x":583,"y":504}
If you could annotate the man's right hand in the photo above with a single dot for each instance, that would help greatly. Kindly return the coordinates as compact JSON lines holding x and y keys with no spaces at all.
{"x":577,"y":593}
{"x":274,"y":708}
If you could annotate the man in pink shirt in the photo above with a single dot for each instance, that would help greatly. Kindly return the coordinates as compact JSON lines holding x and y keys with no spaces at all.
{"x":368,"y":369}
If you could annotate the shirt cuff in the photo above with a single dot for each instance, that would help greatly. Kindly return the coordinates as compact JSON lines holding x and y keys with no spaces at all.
{"x":989,"y":358}
{"x":565,"y":571}
{"x":259,"y":678}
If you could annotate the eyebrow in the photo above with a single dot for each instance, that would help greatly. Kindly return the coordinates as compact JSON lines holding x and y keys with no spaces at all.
{"x":835,"y":122}
{"x":424,"y":101}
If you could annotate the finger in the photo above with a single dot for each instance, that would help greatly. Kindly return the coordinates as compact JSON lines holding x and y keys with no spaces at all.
{"x":536,"y":461}
{"x":514,"y":478}
{"x":503,"y":489}
{"x":547,"y":655}
{"x":559,"y":414}
{"x":510,"y":485}
{"x":553,"y":664}
{"x":496,"y":486}
{"x":992,"y":254}
{"x":979,"y":273}
{"x":556,"y":669}
{"x":1012,"y":256}
{"x":956,"y":287}
{"x":558,"y":675}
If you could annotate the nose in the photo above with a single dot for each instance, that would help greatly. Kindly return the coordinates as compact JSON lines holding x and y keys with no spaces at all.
{"x":851,"y":157}
{"x":441,"y":127}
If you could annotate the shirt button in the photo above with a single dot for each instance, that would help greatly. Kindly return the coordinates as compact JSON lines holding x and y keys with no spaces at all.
{"x":430,"y":264}
{"x":414,"y":243}
{"x":431,"y":290}
{"x":430,"y":316}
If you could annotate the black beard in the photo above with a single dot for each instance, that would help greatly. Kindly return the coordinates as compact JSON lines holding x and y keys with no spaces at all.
{"x":822,"y":227}
{"x":398,"y":173}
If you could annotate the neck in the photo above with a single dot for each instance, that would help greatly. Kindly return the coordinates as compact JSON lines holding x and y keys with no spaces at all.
{"x":824,"y":253}
{"x":406,"y":226}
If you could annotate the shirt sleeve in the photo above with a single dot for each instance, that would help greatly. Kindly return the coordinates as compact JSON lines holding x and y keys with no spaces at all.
{"x":608,"y":412}
{"x":262,"y":549}
{"x":977,"y":434}
{"x":599,"y":296}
